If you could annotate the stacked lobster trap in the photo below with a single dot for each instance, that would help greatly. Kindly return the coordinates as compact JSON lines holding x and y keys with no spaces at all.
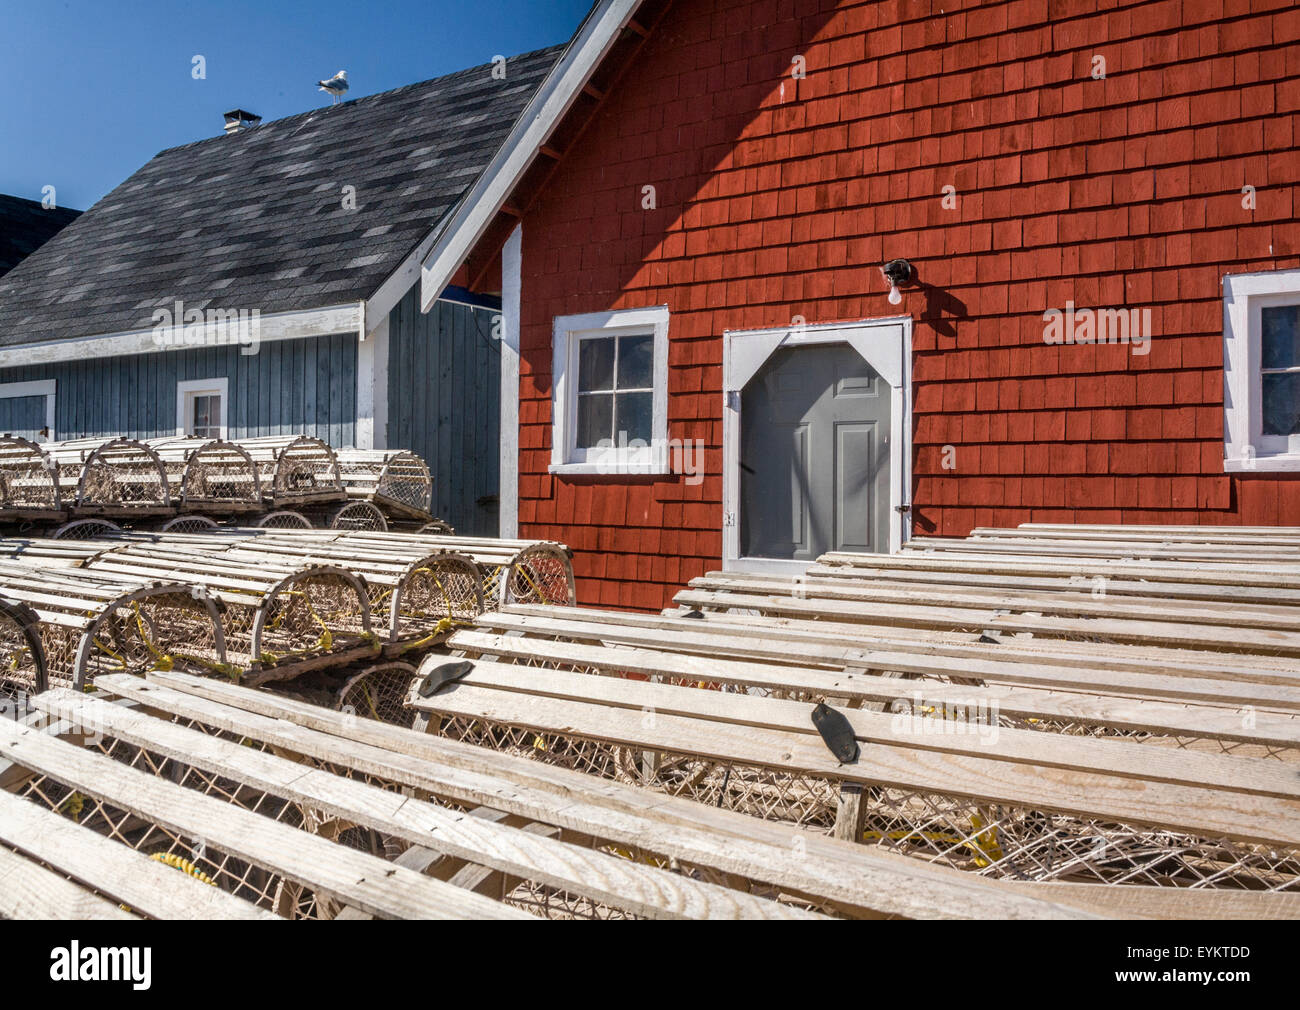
{"x":290,"y":481}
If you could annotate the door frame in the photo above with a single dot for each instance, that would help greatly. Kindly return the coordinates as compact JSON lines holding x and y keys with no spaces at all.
{"x":886,"y":345}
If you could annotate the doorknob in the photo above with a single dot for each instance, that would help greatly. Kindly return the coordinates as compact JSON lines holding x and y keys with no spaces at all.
{"x":902,"y":509}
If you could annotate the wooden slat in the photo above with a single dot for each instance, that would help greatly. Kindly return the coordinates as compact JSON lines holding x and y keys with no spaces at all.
{"x":30,"y":891}
{"x":1203,"y":811}
{"x":1120,"y":713}
{"x":850,"y":875}
{"x":145,"y":885}
{"x":355,"y":877}
{"x":644,"y":890}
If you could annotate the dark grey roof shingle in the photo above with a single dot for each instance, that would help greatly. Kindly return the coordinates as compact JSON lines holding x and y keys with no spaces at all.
{"x":25,"y":226}
{"x":255,"y":220}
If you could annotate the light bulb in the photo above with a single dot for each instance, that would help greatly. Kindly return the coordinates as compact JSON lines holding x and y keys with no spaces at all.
{"x":895,"y":296}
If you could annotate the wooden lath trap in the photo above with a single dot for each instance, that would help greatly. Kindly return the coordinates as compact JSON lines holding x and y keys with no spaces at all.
{"x":280,"y":617}
{"x":92,"y":623}
{"x":117,"y":477}
{"x":295,"y":470}
{"x":29,"y":482}
{"x":251,"y":803}
{"x":210,"y":475}
{"x":398,"y":481}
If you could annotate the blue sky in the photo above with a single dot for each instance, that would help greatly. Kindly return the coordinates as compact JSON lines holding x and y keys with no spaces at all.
{"x":93,"y":90}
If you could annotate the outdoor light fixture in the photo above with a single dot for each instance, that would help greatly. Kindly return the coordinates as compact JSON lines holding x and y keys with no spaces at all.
{"x":896,"y":272}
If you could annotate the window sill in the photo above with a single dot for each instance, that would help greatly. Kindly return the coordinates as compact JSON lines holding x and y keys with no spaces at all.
{"x":614,"y":469}
{"x":1277,"y":462}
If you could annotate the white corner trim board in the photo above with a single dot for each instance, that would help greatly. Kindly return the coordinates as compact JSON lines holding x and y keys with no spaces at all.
{"x":1246,"y":448}
{"x":511,"y":284}
{"x":37,"y":387}
{"x":886,"y":345}
{"x":476,"y":209}
{"x":271,"y":326}
{"x":372,"y":388}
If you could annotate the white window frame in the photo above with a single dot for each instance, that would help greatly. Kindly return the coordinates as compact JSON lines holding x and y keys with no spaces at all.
{"x":567,"y":334}
{"x":38,"y":387}
{"x":1246,"y":448}
{"x":884,"y":344}
{"x":187,"y":389}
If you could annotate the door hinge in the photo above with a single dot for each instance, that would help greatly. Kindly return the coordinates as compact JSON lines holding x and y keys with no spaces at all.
{"x":728,"y":519}
{"x":902,"y":509}
{"x":731,"y":399}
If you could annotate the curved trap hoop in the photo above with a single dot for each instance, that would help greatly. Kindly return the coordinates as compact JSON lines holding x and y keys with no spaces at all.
{"x":189,"y":524}
{"x":318,"y":611}
{"x":540,"y":573}
{"x":283,"y":519}
{"x":378,"y":692}
{"x":22,"y":656}
{"x":121,"y":476}
{"x":85,"y":529}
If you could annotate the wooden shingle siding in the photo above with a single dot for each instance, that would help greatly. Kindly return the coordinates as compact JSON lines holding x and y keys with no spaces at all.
{"x":444,"y":383}
{"x":779,"y":198}
{"x":272,"y":392}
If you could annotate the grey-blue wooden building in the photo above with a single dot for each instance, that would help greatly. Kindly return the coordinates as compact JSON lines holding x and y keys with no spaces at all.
{"x":265,"y":281}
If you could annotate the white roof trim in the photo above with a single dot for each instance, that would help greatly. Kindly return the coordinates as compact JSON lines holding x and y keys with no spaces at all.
{"x":553,"y":99}
{"x":271,"y":326}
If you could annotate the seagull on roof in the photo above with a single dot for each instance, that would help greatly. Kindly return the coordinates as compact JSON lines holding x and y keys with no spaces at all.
{"x":336,"y":85}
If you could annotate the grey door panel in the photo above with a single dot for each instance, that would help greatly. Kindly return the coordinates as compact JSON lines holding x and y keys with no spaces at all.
{"x":814,"y":455}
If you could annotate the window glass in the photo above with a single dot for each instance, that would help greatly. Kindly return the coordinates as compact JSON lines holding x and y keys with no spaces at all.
{"x":206,"y":415}
{"x":1281,"y":337}
{"x":596,"y":363}
{"x":1282,"y":403}
{"x":636,"y":362}
{"x":633,"y":414}
{"x":595,"y":419}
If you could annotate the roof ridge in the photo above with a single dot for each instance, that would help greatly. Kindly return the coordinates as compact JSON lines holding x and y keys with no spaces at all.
{"x":355,"y":102}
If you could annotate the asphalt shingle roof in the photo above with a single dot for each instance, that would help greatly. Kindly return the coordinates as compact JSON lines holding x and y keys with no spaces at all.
{"x":255,"y":220}
{"x":25,"y":226}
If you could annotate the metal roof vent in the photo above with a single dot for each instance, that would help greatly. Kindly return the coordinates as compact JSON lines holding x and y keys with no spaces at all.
{"x":238,"y":120}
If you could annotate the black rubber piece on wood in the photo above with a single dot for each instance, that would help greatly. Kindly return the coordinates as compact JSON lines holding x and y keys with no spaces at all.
{"x":695,"y":614}
{"x":440,"y":676}
{"x":836,"y":733}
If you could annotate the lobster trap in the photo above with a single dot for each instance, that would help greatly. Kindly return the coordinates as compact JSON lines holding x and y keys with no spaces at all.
{"x":295,"y":470}
{"x":29,"y":481}
{"x":398,"y":482}
{"x":91,"y":623}
{"x":282,"y":519}
{"x":210,"y":475}
{"x":354,"y":515}
{"x":118,"y":477}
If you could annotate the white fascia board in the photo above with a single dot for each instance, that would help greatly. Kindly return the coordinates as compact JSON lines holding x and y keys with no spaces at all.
{"x":471,"y":217}
{"x":272,"y":326}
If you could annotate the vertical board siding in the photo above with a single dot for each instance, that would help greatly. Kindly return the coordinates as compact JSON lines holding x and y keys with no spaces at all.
{"x":271,"y":392}
{"x":444,"y":371}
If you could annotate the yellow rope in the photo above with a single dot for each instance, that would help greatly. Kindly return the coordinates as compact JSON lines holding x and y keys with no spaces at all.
{"x":171,"y":859}
{"x":983,"y":845}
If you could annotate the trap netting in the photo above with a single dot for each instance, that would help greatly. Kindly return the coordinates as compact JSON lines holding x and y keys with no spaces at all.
{"x":85,"y":529}
{"x":120,"y":473}
{"x":283,"y":519}
{"x":540,"y":573}
{"x":356,"y":515}
{"x":311,"y":613}
{"x":188,"y":524}
{"x":993,"y":838}
{"x":29,"y":480}
{"x":295,"y":469}
{"x":378,"y":692}
{"x":399,"y":480}
{"x":22,"y":656}
{"x":433,"y":597}
{"x":210,"y":473}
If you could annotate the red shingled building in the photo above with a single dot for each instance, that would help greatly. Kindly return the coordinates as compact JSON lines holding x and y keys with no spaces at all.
{"x":1021,"y":156}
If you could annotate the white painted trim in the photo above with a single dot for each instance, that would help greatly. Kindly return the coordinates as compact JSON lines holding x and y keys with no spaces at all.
{"x":475,"y":211}
{"x":745,"y":351}
{"x":512,"y":259}
{"x":1246,"y":449}
{"x":37,"y":387}
{"x":567,"y":332}
{"x":372,"y":388}
{"x":188,"y":387}
{"x":272,"y":326}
